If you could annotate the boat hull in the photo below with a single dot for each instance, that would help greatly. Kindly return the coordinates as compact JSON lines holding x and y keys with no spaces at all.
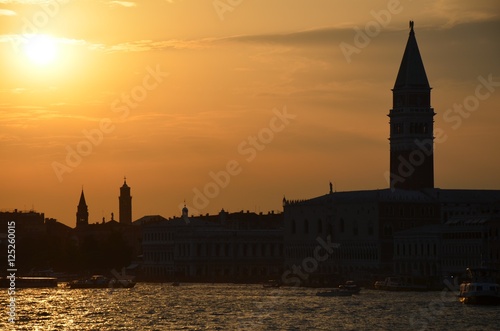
{"x":480,"y":299}
{"x":334,"y":293}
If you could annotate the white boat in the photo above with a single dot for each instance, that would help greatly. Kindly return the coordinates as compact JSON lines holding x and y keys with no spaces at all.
{"x":271,"y":283}
{"x":350,"y":286}
{"x":397,"y":284}
{"x":100,"y":281}
{"x":336,"y":292}
{"x":481,"y":287}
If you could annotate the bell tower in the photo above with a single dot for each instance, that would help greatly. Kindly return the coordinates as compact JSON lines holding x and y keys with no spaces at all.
{"x":82,"y":212}
{"x":411,"y":124}
{"x":125,"y":204}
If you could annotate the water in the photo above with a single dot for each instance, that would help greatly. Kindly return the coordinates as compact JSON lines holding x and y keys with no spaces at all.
{"x":240,"y":307}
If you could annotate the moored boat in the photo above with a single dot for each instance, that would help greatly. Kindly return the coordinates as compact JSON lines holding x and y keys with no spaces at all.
{"x":397,"y":284}
{"x":336,"y":292}
{"x":96,"y":281}
{"x":28,"y":282}
{"x":100,"y":281}
{"x":481,"y":287}
{"x":350,"y":286}
{"x":271,"y":283}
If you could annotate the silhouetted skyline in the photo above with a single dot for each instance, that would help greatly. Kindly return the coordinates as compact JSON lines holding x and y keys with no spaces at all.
{"x":243,"y":105}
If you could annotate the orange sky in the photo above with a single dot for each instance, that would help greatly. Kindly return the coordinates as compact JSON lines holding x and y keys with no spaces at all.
{"x":246,"y":101}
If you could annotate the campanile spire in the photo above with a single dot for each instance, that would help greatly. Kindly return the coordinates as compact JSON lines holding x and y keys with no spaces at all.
{"x":411,"y":123}
{"x":82,"y":212}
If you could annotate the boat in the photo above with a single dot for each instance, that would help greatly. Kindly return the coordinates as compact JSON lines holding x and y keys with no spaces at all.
{"x":397,"y":284}
{"x":271,"y":283}
{"x":350,"y":286}
{"x":28,"y":282}
{"x":481,"y":287}
{"x":121,"y":283}
{"x":100,"y":281}
{"x":336,"y":292}
{"x":96,"y":281}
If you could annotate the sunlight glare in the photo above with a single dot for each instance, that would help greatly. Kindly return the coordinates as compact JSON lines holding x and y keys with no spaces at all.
{"x":41,"y":49}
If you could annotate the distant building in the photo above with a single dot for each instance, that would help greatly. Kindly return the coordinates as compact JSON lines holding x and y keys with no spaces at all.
{"x":104,"y":244}
{"x":40,"y":242}
{"x":226,"y":247}
{"x":82,"y":212}
{"x":27,"y":223}
{"x":125,"y":204}
{"x":432,"y":253}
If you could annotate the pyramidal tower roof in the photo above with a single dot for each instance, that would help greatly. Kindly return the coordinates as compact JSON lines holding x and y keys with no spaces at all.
{"x":411,"y":72}
{"x":82,"y":200}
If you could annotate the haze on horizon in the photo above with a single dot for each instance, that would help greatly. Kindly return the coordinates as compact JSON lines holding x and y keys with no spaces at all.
{"x":182,"y":90}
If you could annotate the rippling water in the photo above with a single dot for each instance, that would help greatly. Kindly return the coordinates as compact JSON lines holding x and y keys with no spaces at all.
{"x":240,"y":307}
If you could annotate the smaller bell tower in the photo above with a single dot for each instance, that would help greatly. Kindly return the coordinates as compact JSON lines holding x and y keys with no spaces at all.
{"x":82,"y":212}
{"x":125,"y":204}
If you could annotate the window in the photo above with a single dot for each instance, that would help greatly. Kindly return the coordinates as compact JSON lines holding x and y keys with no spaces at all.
{"x":342,"y":226}
{"x":387,"y":230}
{"x":306,"y":226}
{"x":329,"y":230}
{"x":320,"y":226}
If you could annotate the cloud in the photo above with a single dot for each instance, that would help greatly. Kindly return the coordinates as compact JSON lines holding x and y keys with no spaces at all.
{"x":7,"y":12}
{"x":127,"y":4}
{"x":26,"y":2}
{"x":456,"y":12}
{"x":150,"y":45}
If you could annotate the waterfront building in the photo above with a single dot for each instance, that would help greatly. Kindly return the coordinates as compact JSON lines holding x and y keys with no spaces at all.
{"x":230,"y":247}
{"x":429,"y":254}
{"x":361,"y":224}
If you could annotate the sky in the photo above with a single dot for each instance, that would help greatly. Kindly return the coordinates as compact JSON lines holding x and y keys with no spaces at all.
{"x":232,"y":104}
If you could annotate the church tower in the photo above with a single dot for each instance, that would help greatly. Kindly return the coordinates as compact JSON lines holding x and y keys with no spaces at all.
{"x":125,"y":201}
{"x":82,"y":212}
{"x":411,"y":124}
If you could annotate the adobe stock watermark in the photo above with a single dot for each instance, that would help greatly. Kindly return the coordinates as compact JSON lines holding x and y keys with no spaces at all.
{"x":372,"y":29}
{"x":309,"y":265}
{"x":223,"y":6}
{"x":121,"y":105}
{"x":296,"y":275}
{"x":249,"y":148}
{"x":455,"y":116}
{"x":39,"y":20}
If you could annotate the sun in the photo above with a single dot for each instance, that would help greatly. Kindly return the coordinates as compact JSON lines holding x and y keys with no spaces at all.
{"x":40,"y":49}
